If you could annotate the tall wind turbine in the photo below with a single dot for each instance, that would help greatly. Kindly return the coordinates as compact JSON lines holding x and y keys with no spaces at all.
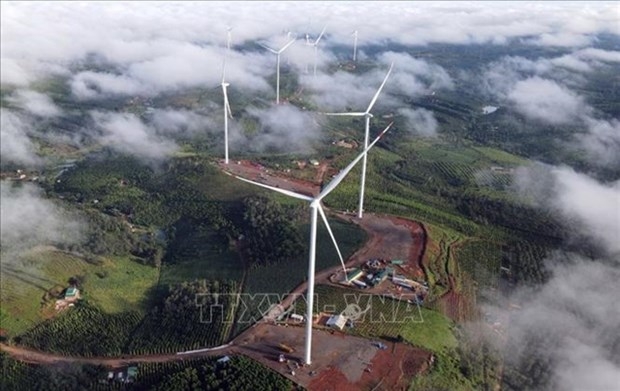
{"x":315,"y":206}
{"x":277,"y":53}
{"x":227,"y":111}
{"x":315,"y":44}
{"x":367,"y":115}
{"x":354,"y":44}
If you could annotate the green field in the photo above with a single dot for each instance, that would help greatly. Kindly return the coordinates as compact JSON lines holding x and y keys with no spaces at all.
{"x":115,"y":285}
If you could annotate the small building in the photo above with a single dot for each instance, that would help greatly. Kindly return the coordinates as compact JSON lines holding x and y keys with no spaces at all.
{"x":381,"y":276}
{"x":72,"y":294}
{"x":297,"y":317}
{"x":223,"y":360}
{"x":337,"y":322}
{"x":354,"y":274}
{"x":396,"y":262}
{"x":314,"y":162}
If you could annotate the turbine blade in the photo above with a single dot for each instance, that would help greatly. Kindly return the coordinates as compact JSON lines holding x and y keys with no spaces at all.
{"x":285,"y":46}
{"x":374,"y":98}
{"x":283,"y":191}
{"x":268,"y":48}
{"x":331,"y":234}
{"x":226,"y":103}
{"x":332,"y":185}
{"x":352,"y":114}
{"x":320,"y":36}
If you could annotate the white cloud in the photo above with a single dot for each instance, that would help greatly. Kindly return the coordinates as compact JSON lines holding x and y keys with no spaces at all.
{"x":29,"y":219}
{"x":181,"y":121}
{"x":90,"y":85}
{"x":592,"y":207}
{"x":36,"y":103}
{"x":15,"y":145}
{"x":127,"y":133}
{"x":284,"y":127}
{"x":420,"y":121}
{"x":547,"y":101}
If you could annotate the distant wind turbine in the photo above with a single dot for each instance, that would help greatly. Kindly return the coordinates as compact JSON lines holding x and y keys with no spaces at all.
{"x":354,"y":44}
{"x":277,"y":53}
{"x":228,"y":38}
{"x":367,"y":115}
{"x":315,"y":206}
{"x":315,"y":44}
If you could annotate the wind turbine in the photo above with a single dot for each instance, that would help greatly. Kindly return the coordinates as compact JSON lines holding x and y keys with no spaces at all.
{"x":227,"y":111}
{"x":354,"y":44}
{"x":367,"y":115}
{"x":315,"y":44}
{"x":277,"y":53}
{"x":228,"y":38}
{"x":315,"y":206}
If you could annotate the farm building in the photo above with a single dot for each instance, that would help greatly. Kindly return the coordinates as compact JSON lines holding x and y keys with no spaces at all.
{"x":72,"y":294}
{"x":354,"y":274}
{"x":337,"y":322}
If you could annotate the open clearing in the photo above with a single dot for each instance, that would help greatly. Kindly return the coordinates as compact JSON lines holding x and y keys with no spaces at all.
{"x":339,"y":361}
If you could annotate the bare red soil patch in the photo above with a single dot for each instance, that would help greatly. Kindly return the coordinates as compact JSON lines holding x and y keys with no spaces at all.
{"x":390,"y":369}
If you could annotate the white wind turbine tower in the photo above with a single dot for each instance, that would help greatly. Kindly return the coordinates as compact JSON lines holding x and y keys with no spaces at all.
{"x":354,"y":44}
{"x":277,"y":53}
{"x":227,"y":111}
{"x":367,"y":115}
{"x":315,"y":206}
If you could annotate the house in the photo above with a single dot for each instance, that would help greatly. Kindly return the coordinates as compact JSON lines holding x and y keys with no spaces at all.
{"x":72,"y":294}
{"x":337,"y":322}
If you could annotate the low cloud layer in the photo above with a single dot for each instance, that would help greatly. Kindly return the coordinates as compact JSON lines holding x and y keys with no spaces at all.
{"x":284,"y":128}
{"x":128,"y":134}
{"x":15,"y":143}
{"x":35,"y":103}
{"x":546,"y":101}
{"x":420,"y":121}
{"x":29,"y":219}
{"x":592,"y":207}
{"x":571,"y":322}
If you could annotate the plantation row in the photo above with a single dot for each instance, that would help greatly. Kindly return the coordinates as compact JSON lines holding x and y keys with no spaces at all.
{"x":239,"y":373}
{"x":83,"y":331}
{"x":481,"y":260}
{"x":524,"y":261}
